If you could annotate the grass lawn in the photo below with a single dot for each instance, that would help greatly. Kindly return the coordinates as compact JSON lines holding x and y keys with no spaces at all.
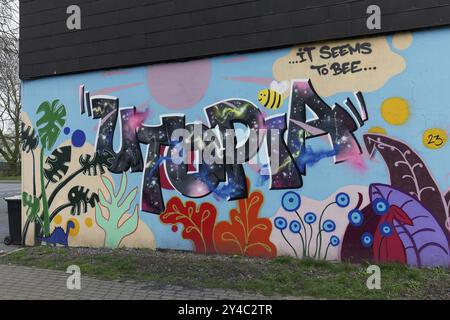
{"x":280,"y":276}
{"x":13,"y":178}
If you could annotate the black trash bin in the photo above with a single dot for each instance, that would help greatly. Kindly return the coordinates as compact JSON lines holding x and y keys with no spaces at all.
{"x":15,"y":220}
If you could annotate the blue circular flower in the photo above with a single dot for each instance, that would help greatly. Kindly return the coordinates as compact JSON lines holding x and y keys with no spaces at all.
{"x":291,"y":201}
{"x":329,"y":226}
{"x":342,"y":199}
{"x":380,"y":206}
{"x":334,"y":241}
{"x":386,"y":229}
{"x":310,"y":218}
{"x":280,"y":223}
{"x":367,"y":239}
{"x":295,"y":226}
{"x":356,"y":217}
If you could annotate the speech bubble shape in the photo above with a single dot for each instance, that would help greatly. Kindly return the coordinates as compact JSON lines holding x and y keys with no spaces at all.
{"x":340,"y":66}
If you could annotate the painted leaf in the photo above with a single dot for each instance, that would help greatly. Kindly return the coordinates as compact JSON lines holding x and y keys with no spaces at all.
{"x":57,"y":164}
{"x":447,"y":201}
{"x":423,"y":239}
{"x":32,"y":205}
{"x":119,"y":205}
{"x":50,"y":123}
{"x":246,"y":233}
{"x":408,"y":173}
{"x":389,"y":247}
{"x":80,"y":200}
{"x":28,"y":138}
{"x":97,"y":164}
{"x":353,"y":249}
{"x":198,"y":223}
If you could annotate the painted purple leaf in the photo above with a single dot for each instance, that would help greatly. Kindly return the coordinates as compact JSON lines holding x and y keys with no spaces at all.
{"x":352,"y":248}
{"x":447,"y":202}
{"x":409,"y":173}
{"x":425,"y":242}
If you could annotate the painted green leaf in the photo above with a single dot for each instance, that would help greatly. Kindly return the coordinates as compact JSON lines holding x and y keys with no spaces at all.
{"x":50,"y":123}
{"x":31,"y":203}
{"x":117,"y":204}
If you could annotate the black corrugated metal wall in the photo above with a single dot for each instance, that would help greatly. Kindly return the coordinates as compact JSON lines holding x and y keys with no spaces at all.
{"x":118,"y":33}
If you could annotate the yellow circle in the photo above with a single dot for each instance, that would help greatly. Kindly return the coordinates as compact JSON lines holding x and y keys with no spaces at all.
{"x":88,"y":222}
{"x":395,"y":111}
{"x":74,"y":231}
{"x":403,"y":40}
{"x":377,"y":130}
{"x":57,"y":219}
{"x":434,"y":138}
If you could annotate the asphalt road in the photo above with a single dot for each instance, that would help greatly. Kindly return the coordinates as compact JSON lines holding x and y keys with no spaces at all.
{"x":6,"y":190}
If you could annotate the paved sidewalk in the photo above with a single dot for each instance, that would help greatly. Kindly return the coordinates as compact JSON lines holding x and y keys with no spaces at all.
{"x":17,"y":282}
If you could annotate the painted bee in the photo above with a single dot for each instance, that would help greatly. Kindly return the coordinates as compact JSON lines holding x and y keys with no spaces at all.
{"x":273,"y":98}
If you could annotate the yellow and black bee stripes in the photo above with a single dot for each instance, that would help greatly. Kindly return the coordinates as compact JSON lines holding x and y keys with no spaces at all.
{"x":270,"y":99}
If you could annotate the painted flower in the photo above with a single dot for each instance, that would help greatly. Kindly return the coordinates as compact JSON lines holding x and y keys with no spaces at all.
{"x":342,"y":199}
{"x":380,"y":206}
{"x":295,"y":226}
{"x":334,"y":241}
{"x":280,"y":223}
{"x":356,"y":217}
{"x":386,"y":229}
{"x":329,"y":226}
{"x":291,"y":201}
{"x":367,"y":239}
{"x":310,"y":218}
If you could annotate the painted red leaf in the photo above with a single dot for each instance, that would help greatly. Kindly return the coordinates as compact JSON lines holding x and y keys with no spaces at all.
{"x":246,"y":233}
{"x":198,"y":224}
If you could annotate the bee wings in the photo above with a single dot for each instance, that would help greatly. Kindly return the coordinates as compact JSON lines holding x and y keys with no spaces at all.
{"x":280,"y":87}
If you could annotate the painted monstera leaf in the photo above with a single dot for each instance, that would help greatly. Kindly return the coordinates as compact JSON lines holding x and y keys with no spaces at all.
{"x":57,"y":164}
{"x":424,"y":240}
{"x":97,"y":164}
{"x":408,"y":173}
{"x":28,"y":138}
{"x":50,"y":123}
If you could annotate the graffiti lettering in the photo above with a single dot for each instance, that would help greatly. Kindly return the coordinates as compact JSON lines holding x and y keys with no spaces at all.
{"x":166,"y":145}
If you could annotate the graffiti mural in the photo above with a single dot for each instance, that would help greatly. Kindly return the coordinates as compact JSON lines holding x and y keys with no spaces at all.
{"x":322,"y":151}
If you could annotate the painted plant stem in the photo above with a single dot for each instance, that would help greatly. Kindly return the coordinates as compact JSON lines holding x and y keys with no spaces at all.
{"x":306,"y":235}
{"x":34,"y":173}
{"x":290,"y":245}
{"x":58,"y":210}
{"x":310,"y":240}
{"x":27,"y":223}
{"x":60,"y":186}
{"x":45,"y":212}
{"x":326,"y":252}
{"x":319,"y":235}
{"x":303,"y":244}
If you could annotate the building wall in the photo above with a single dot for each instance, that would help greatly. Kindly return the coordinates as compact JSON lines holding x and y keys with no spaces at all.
{"x":116,"y":33}
{"x":363,"y":128}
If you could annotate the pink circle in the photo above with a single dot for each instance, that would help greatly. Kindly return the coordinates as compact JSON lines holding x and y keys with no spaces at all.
{"x":179,"y":85}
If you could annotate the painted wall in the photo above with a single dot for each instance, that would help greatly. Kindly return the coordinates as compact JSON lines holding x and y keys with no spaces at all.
{"x":361,"y":127}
